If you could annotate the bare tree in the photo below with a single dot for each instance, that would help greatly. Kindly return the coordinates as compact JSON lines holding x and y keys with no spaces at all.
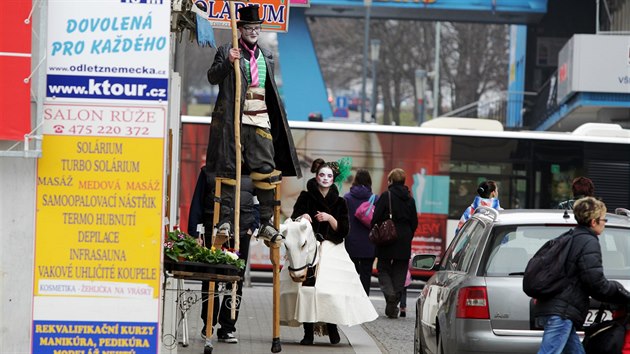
{"x":339,"y":47}
{"x":403,"y":51}
{"x":475,"y":59}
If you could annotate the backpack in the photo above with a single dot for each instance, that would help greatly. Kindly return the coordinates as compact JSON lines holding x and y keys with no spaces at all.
{"x":545,"y":274}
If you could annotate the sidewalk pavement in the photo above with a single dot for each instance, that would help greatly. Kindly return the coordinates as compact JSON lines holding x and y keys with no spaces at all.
{"x":255,"y":330}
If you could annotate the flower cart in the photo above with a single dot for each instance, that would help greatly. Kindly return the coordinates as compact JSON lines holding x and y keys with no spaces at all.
{"x":187,"y":259}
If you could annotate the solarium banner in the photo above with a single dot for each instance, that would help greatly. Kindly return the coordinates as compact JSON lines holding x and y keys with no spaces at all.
{"x":274,"y":13}
{"x":100,"y":181}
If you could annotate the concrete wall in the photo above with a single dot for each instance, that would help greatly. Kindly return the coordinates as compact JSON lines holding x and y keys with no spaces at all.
{"x":17,"y":234}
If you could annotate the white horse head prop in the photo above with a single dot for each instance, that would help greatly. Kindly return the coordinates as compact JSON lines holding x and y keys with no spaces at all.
{"x":301,"y":246}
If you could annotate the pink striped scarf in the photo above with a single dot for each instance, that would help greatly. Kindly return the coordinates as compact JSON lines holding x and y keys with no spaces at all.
{"x":253,"y":64}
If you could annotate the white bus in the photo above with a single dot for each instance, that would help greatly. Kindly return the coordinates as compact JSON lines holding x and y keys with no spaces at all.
{"x":444,"y":166}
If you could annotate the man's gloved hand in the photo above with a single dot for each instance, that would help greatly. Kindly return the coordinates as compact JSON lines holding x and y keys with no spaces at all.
{"x":623,"y":292}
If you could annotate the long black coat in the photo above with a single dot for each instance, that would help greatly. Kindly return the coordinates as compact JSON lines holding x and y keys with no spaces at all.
{"x":312,"y":201}
{"x":221,"y":154}
{"x":586,"y":278}
{"x":405,"y":218}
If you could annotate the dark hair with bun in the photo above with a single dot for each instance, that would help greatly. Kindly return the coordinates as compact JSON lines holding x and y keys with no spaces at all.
{"x":362,"y":178}
{"x":319,"y":163}
{"x":486,"y":188}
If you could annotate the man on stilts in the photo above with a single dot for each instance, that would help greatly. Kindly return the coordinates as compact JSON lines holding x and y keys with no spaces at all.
{"x":267,"y":144}
{"x":249,"y":118}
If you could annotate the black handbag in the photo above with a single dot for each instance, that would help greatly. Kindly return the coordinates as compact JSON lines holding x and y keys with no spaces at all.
{"x":604,"y":337}
{"x":385,"y":233}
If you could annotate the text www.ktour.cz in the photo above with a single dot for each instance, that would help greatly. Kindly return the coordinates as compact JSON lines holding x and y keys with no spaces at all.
{"x":106,"y":88}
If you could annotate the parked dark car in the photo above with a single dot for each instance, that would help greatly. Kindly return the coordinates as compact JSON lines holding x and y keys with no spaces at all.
{"x":474,"y":303}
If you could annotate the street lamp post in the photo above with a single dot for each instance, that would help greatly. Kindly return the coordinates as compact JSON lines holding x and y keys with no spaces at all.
{"x":436,"y":71}
{"x":366,"y":39}
{"x":375,"y":46}
{"x":421,"y":79}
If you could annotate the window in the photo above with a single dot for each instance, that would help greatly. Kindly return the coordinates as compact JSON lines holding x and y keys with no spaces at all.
{"x":459,"y":255}
{"x":513,"y":246}
{"x":615,"y":246}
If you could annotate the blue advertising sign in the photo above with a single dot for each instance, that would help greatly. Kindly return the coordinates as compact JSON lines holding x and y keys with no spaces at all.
{"x":342,"y":102}
{"x":108,"y":50}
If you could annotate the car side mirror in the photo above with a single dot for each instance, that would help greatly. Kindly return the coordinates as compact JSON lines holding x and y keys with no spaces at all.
{"x":423,"y":261}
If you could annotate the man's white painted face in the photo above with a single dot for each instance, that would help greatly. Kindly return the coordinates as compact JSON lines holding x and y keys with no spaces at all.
{"x":325,"y":177}
{"x":250,"y":33}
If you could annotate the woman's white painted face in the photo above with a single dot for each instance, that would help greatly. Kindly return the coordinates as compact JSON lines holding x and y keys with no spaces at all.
{"x":325,"y":177}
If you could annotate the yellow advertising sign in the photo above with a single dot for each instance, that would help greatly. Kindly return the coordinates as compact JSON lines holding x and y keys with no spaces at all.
{"x":274,"y":13}
{"x":99,"y":217}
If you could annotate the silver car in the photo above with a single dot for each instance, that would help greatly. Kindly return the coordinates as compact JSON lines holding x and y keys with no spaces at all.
{"x":474,"y":303}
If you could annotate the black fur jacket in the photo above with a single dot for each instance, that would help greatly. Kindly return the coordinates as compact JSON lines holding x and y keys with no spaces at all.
{"x":312,"y":201}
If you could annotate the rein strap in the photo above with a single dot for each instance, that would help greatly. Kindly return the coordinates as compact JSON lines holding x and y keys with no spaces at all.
{"x":309,"y":265}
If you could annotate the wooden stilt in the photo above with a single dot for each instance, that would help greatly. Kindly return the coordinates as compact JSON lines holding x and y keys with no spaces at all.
{"x":237,"y":145}
{"x":237,"y":129}
{"x":274,"y":255}
{"x":210,"y":314}
{"x":234,"y":300}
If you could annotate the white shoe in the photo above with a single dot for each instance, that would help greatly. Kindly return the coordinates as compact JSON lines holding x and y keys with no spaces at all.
{"x":227,"y":338}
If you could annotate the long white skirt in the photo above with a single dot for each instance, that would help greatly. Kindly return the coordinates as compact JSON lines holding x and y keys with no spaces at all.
{"x":337,"y":297}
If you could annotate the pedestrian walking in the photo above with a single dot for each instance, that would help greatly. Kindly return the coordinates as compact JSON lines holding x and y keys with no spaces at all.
{"x":563,"y":314}
{"x":358,"y":245}
{"x":201,"y":212}
{"x":327,"y":212}
{"x":393,"y":259}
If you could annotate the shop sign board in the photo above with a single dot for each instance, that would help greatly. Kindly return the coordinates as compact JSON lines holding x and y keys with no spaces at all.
{"x":108,"y":50}
{"x":594,"y":63}
{"x":100,"y":181}
{"x":274,"y":13}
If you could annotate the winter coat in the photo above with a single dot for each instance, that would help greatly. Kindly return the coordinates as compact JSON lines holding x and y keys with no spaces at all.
{"x":586,"y":278}
{"x":312,"y":201}
{"x":358,"y":244}
{"x":221,"y":154}
{"x":405,"y":218}
{"x":568,"y":204}
{"x":477,"y":202}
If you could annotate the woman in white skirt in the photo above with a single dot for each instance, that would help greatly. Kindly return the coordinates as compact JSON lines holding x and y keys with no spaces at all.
{"x":337,"y":296}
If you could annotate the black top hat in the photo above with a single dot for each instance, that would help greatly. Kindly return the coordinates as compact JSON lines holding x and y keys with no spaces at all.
{"x":248,"y":15}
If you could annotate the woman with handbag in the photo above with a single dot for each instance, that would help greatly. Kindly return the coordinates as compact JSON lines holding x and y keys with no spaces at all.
{"x":361,"y":202}
{"x":398,"y":205}
{"x":335,"y":278}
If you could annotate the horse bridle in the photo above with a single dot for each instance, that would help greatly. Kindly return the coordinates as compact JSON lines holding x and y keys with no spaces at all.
{"x":307,"y":265}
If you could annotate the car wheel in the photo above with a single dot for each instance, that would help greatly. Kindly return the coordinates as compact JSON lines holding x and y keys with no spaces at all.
{"x":417,"y":346}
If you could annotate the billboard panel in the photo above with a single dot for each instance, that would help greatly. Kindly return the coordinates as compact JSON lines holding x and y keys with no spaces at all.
{"x":15,"y":68}
{"x":594,"y":63}
{"x":108,"y":50}
{"x":274,"y":13}
{"x":100,"y":181}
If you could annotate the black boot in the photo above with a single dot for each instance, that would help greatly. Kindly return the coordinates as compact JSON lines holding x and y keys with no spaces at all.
{"x":333,"y":333}
{"x":308,"y":334}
